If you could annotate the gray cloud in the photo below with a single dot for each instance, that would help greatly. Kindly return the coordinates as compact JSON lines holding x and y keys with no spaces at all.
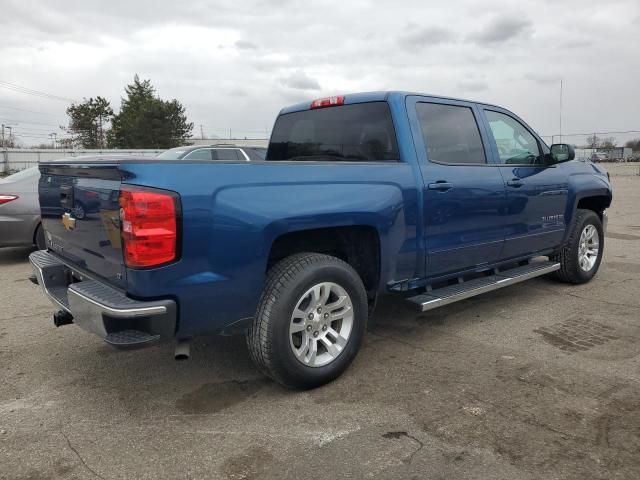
{"x":542,"y":78}
{"x":299,"y":80}
{"x":86,"y":48}
{"x":245,"y":45}
{"x":473,"y":85}
{"x":427,"y":36}
{"x":501,"y":29}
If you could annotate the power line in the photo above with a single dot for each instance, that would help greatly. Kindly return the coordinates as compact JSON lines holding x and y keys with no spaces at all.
{"x":31,"y":111}
{"x":37,"y":93}
{"x":592,"y":133}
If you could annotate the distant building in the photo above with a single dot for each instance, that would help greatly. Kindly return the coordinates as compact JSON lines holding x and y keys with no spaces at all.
{"x":617,"y":153}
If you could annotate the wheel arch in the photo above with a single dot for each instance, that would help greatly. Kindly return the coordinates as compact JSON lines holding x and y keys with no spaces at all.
{"x":357,"y":245}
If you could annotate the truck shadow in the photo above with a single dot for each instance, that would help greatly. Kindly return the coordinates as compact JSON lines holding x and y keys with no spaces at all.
{"x":14,"y":255}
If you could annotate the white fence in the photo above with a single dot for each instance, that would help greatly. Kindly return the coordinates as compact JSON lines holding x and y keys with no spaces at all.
{"x":14,"y":159}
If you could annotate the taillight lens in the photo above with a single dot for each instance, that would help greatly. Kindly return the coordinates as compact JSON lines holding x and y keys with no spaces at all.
{"x":7,"y":198}
{"x":328,"y":102}
{"x":149,"y":226}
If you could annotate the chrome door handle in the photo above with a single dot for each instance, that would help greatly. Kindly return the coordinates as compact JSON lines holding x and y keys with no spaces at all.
{"x":441,"y":186}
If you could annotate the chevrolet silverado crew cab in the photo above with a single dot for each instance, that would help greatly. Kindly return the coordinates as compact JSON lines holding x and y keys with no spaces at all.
{"x":359,"y":195}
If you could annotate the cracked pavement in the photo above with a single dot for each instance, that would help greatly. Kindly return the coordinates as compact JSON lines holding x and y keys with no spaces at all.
{"x":480,"y":389}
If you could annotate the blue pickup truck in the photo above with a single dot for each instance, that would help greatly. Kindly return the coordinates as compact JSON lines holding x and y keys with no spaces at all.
{"x":360,"y":195}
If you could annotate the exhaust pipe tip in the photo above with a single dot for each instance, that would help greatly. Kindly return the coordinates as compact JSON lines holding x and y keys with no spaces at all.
{"x":62,"y":317}
{"x":183,"y":350}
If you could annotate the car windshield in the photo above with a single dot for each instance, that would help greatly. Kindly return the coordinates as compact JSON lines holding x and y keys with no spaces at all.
{"x":21,"y":175}
{"x":173,"y":154}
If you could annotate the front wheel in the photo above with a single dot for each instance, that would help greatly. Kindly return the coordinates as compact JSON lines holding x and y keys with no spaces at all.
{"x":581,"y":256}
{"x":310,"y":321}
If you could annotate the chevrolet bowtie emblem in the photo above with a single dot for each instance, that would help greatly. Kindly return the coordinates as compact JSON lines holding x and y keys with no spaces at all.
{"x":68,"y":221}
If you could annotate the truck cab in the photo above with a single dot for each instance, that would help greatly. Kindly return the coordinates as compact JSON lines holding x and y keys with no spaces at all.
{"x":358,"y":196}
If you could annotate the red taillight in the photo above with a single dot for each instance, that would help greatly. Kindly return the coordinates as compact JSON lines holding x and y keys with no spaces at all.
{"x":149,"y":226}
{"x":328,"y":102}
{"x":7,"y":198}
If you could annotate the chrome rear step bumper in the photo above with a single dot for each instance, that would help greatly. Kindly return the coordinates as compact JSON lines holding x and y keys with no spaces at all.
{"x":98,"y":308}
{"x":453,"y":293}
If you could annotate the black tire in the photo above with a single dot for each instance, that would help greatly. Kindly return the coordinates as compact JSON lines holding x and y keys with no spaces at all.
{"x":268,"y":338}
{"x":570,"y":270}
{"x":38,"y":238}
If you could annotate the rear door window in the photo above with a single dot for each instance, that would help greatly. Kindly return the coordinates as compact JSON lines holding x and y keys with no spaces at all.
{"x":346,"y":133}
{"x":450,"y":134}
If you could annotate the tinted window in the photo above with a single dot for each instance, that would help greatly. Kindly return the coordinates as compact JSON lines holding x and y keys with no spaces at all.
{"x":516,"y":145}
{"x":227,"y":154}
{"x":201,"y":154}
{"x":358,"y":132}
{"x":450,"y":133}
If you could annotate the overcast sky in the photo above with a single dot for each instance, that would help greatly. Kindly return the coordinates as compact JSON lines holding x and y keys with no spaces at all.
{"x":235,"y":64}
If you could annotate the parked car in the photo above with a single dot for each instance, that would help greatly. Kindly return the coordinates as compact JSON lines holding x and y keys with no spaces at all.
{"x":359,"y":196}
{"x":19,"y":210}
{"x":223,"y":152}
{"x":599,"y":157}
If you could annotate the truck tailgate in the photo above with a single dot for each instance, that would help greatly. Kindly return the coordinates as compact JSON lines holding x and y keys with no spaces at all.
{"x":80,"y":208}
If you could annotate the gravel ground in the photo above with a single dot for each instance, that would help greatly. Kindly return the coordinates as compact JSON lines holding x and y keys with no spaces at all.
{"x":539,"y":380}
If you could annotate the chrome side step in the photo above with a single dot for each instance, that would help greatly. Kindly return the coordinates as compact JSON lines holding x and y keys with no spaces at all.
{"x":454,"y":293}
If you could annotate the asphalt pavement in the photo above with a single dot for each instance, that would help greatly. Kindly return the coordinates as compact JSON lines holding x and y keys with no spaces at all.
{"x":536,"y":381}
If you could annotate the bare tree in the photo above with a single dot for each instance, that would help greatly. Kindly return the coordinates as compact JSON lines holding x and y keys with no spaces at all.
{"x":608,"y":142}
{"x":593,"y":141}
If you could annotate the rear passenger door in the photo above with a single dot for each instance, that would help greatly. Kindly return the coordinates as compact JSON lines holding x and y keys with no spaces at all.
{"x":536,"y":192}
{"x":464,"y":195}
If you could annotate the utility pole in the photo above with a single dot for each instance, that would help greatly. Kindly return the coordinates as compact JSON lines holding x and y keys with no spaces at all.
{"x":5,"y":163}
{"x":9,"y":143}
{"x":201,"y":133}
{"x":229,"y":134}
{"x":560,"y":110}
{"x":53,"y":137}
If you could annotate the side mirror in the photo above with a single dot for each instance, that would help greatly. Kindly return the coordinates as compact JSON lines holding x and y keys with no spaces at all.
{"x":562,"y":152}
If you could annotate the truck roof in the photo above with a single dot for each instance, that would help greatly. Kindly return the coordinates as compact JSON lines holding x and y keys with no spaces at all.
{"x":379,"y":96}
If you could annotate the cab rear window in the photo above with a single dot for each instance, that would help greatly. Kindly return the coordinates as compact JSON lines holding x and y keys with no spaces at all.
{"x":348,"y":133}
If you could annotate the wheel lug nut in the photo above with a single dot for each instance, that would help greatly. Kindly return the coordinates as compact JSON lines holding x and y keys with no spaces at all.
{"x":315,"y":334}
{"x":326,"y":315}
{"x":308,"y":328}
{"x":310,"y":316}
{"x":319,"y":309}
{"x":324,"y":328}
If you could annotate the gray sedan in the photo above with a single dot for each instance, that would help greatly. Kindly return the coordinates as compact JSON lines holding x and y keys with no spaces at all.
{"x":20,"y":210}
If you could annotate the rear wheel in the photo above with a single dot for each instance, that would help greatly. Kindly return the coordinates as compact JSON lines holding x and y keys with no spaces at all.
{"x":38,"y":238}
{"x":310,"y":321}
{"x":581,"y":256}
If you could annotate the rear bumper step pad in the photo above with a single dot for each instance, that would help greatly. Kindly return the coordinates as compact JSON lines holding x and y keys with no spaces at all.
{"x":101,"y":309}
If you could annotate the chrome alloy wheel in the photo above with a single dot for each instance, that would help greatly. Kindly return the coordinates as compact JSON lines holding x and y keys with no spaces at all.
{"x":588,"y":248}
{"x":321,"y":324}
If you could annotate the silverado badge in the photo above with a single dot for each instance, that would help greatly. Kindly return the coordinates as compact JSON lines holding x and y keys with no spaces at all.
{"x":68,"y":221}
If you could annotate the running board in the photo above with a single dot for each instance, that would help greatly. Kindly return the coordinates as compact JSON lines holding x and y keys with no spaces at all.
{"x":453,"y":293}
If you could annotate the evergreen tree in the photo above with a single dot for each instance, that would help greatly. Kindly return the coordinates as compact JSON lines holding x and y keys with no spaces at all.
{"x":146,"y":121}
{"x":88,"y":122}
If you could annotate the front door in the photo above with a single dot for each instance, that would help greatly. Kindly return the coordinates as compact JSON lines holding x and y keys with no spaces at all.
{"x":464,"y":196}
{"x":536,"y":192}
